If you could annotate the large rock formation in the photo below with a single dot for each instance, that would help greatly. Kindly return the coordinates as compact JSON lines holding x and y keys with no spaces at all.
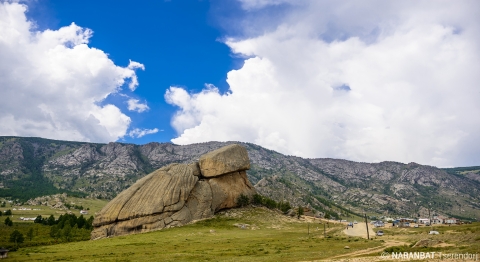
{"x":224,"y":160}
{"x":177,"y":194}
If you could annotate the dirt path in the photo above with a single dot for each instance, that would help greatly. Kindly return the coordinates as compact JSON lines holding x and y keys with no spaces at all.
{"x":359,"y":230}
{"x":354,"y":256}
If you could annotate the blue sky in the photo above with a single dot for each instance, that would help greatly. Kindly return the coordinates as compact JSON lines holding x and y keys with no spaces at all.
{"x":366,"y":81}
{"x":177,"y":41}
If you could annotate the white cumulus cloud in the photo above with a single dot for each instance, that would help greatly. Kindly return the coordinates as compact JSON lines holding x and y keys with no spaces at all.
{"x":137,"y":132}
{"x":365,"y":81}
{"x":135,"y":105}
{"x":52,"y":83}
{"x":134,"y":80}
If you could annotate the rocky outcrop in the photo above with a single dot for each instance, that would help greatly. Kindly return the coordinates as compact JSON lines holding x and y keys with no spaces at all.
{"x":177,"y":194}
{"x":224,"y":160}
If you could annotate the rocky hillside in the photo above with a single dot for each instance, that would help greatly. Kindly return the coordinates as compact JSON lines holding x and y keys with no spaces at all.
{"x":33,"y":166}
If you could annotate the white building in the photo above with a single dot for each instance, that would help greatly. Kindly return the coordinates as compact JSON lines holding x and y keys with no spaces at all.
{"x":450,"y":221}
{"x":424,"y":220}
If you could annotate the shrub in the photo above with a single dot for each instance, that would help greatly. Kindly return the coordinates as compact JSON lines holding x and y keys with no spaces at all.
{"x":403,"y":248}
{"x":257,"y":199}
{"x":284,"y":206}
{"x":270,"y":203}
{"x":243,"y":200}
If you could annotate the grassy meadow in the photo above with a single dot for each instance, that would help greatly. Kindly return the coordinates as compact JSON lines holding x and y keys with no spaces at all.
{"x":252,"y":234}
{"x":266,"y":236}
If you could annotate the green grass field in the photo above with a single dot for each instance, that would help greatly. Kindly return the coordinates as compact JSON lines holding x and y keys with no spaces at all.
{"x":268,"y":237}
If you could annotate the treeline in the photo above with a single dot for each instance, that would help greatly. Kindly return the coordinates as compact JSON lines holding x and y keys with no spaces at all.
{"x":461,"y":169}
{"x":67,"y":227}
{"x":327,"y":207}
{"x":257,"y":199}
{"x":28,"y":188}
{"x":64,"y":220}
{"x":32,"y":183}
{"x":6,"y":212}
{"x":319,"y":194}
{"x":472,"y":219}
{"x":284,"y":206}
{"x":45,"y":231}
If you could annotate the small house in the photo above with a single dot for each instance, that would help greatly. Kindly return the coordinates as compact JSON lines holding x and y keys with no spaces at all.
{"x":450,"y":221}
{"x":437,"y":220}
{"x":402,"y":222}
{"x":3,"y":252}
{"x":424,"y":221}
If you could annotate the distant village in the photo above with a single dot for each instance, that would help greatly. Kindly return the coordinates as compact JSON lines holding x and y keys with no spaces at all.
{"x":408,"y":222}
{"x":82,"y":212}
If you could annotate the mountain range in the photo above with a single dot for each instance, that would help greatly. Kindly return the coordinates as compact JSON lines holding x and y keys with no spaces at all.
{"x":31,"y":167}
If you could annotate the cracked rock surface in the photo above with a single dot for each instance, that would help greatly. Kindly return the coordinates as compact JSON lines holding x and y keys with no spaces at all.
{"x":177,"y":194}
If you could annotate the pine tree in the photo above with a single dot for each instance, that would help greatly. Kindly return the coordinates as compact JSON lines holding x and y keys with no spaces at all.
{"x":81,"y":221}
{"x":55,"y":232}
{"x":67,"y":232}
{"x":299,"y":212}
{"x":51,"y":220}
{"x":16,"y":237}
{"x":8,"y":222}
{"x":89,"y":223}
